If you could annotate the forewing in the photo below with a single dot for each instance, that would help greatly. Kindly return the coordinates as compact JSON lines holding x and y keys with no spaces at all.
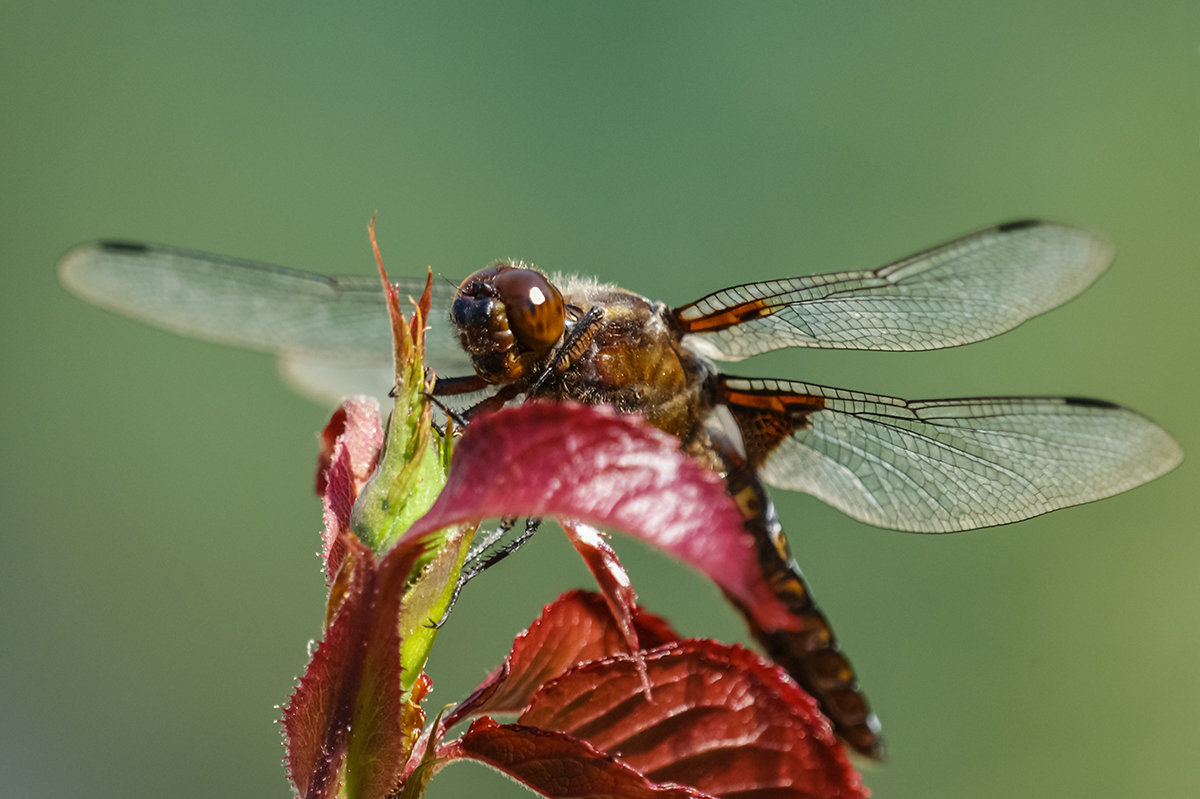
{"x":966,"y":290}
{"x":326,"y":380}
{"x":949,"y":464}
{"x":332,"y":333}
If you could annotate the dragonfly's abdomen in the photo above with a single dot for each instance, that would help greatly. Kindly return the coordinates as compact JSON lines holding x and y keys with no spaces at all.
{"x":810,"y":655}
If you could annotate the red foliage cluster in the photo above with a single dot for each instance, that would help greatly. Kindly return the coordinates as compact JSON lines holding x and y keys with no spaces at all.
{"x":608,"y":700}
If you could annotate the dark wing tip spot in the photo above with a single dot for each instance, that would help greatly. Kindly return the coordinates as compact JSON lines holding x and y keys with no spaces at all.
{"x":1090,"y":403}
{"x":124,"y":246}
{"x":1018,"y":224}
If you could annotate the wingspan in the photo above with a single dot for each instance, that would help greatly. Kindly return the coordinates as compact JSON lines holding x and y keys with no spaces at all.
{"x":966,"y":290}
{"x":331,"y":333}
{"x":945,"y":464}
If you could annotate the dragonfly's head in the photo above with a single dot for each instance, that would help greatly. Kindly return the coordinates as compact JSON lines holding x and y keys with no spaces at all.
{"x":509,"y":316}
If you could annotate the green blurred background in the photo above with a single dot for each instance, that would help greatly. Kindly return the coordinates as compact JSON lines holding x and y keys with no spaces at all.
{"x":160,"y":582}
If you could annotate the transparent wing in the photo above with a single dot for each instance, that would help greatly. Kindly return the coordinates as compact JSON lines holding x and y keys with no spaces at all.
{"x":328,"y":380}
{"x":948,"y":464}
{"x":967,"y":290}
{"x":326,"y":329}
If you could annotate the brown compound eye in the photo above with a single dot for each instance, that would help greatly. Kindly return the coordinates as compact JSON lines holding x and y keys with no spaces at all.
{"x":535,"y":309}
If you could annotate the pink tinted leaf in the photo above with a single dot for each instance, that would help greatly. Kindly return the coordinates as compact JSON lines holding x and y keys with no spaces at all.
{"x":350,"y":446}
{"x":355,"y":427}
{"x":349,"y":726}
{"x":720,"y":719}
{"x":382,"y":732}
{"x":589,"y":463}
{"x":575,"y":628}
{"x":328,"y":438}
{"x":610,"y":575}
{"x":557,"y":765}
{"x":317,"y":717}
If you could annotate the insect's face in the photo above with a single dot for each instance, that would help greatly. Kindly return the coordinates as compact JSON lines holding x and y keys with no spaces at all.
{"x":508,"y":316}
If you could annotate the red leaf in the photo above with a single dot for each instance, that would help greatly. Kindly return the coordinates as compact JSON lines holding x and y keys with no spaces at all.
{"x":355,"y":428}
{"x":720,"y":719}
{"x":610,"y":576}
{"x":350,"y":446}
{"x":575,"y":628}
{"x":557,"y":765}
{"x":382,"y":732}
{"x":589,"y":463}
{"x":348,"y":727}
{"x":328,"y":438}
{"x":316,"y":718}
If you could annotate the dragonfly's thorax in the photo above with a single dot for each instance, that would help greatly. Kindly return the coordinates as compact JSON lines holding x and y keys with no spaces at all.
{"x":631,"y":359}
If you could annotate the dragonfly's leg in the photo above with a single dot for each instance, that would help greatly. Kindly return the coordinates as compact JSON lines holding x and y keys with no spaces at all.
{"x":574,"y":345}
{"x":478,"y":560}
{"x":467,"y":384}
{"x":477,"y":549}
{"x":531,"y":527}
{"x":451,"y":414}
{"x":487,"y":540}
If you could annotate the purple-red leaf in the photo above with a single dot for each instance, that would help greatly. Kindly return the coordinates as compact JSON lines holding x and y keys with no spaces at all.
{"x":576,"y":628}
{"x":353,"y":426}
{"x":350,"y":446}
{"x":349,"y":726}
{"x":316,"y":718}
{"x":592,"y":464}
{"x":382,"y":727}
{"x":557,"y":765}
{"x":720,"y":719}
{"x":610,"y":575}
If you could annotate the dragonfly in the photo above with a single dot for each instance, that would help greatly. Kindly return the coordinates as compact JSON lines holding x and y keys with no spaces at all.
{"x":510,"y":332}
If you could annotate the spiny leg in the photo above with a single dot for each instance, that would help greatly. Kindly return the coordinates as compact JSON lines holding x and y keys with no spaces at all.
{"x":479,"y":560}
{"x":459,"y":419}
{"x":576,"y":341}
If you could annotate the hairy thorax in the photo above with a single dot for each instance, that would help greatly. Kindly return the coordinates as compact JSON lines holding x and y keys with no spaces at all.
{"x":635,"y":362}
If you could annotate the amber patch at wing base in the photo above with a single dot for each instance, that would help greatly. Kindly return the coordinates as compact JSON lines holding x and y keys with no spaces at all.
{"x":768,"y":417}
{"x":726,"y":318}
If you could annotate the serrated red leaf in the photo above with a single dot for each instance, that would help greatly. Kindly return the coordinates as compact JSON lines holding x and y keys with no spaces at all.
{"x":316,"y":718}
{"x":348,"y":720}
{"x":382,"y":733}
{"x":589,"y":463}
{"x":575,"y":628}
{"x":557,"y":765}
{"x":354,"y":426}
{"x":350,"y":446}
{"x":720,"y":719}
{"x":610,"y":575}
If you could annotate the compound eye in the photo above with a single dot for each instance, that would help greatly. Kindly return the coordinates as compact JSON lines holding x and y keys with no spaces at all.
{"x":536,"y":312}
